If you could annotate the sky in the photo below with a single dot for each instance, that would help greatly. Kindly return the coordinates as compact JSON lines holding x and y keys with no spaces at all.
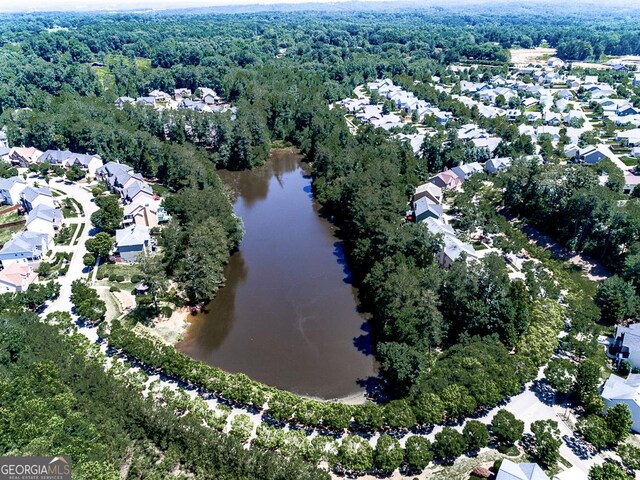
{"x":116,"y":5}
{"x":89,"y":5}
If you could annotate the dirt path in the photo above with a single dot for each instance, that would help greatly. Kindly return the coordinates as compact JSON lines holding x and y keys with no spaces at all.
{"x":593,"y":269}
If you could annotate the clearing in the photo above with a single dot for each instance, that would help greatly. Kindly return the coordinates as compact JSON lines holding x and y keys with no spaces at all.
{"x":525,"y":56}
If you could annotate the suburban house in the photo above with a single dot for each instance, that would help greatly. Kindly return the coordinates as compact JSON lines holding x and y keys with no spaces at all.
{"x":424,"y":208}
{"x":626,"y":345}
{"x":122,"y":101}
{"x":466,"y":170}
{"x":25,"y":247}
{"x":617,"y":390}
{"x":446,"y":179}
{"x":180,"y":93}
{"x":207,"y":95}
{"x":453,"y":247}
{"x":590,"y":154}
{"x":631,"y":181}
{"x":24,"y":156}
{"x":632,"y":137}
{"x":520,"y":471}
{"x":137,"y":191}
{"x":490,"y":143}
{"x":56,"y":157}
{"x":31,"y":197}
{"x":117,"y":175}
{"x":16,"y":278}
{"x":132,"y":241}
{"x":428,"y":190}
{"x":10,"y":190}
{"x":160,"y":96}
{"x":146,"y":101}
{"x":145,"y":214}
{"x":44,"y":219}
{"x":88,"y":163}
{"x":497,"y":164}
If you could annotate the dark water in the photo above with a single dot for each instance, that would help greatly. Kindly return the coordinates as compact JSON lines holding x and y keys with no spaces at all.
{"x":287,"y":315}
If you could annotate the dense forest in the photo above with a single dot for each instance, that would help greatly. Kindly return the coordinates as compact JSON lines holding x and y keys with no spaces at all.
{"x":60,"y":76}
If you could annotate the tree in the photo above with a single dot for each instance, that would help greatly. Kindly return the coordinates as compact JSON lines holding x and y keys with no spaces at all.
{"x":476,"y":435}
{"x":75,"y":174}
{"x":506,"y":428}
{"x":630,"y":455}
{"x":619,"y":421}
{"x":88,"y":305}
{"x":449,"y":445}
{"x":398,"y":414}
{"x":89,"y":260}
{"x":153,"y":275}
{"x":595,"y":430}
{"x":355,"y":454}
{"x":388,"y":454}
{"x":100,"y":245}
{"x":616,"y":299}
{"x":418,"y":452}
{"x":607,"y":471}
{"x":559,"y":374}
{"x":241,"y":427}
{"x":109,"y":216}
{"x":547,"y":440}
{"x":587,"y":379}
{"x":429,"y":409}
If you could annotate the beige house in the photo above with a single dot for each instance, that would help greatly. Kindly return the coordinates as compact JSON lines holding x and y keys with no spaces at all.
{"x":141,"y":213}
{"x":16,"y":278}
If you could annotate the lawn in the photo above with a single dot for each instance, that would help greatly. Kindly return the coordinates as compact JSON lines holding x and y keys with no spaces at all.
{"x":79,"y":234}
{"x":7,"y":233}
{"x":125,"y":270}
{"x":628,"y":161}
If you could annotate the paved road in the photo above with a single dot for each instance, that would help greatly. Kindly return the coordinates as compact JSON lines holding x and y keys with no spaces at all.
{"x":76,"y":265}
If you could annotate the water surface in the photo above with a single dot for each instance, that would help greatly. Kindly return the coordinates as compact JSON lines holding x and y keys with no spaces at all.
{"x":287,"y":315}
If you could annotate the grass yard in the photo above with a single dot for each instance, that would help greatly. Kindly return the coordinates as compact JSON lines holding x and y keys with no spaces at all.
{"x":125,"y":270}
{"x":629,"y":161}
{"x":77,"y":240}
{"x":7,"y":233}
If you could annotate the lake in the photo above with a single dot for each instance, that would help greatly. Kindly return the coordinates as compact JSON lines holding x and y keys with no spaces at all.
{"x":288,"y":314}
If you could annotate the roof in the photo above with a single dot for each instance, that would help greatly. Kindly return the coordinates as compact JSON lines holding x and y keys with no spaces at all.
{"x":25,"y":242}
{"x":8,"y":183}
{"x":31,"y":193}
{"x":430,"y":188}
{"x":520,"y":471}
{"x":55,"y":156}
{"x":17,"y":274}
{"x":42,"y":212}
{"x":84,"y":159}
{"x":423,"y":205}
{"x":132,"y":236}
{"x":136,"y":188}
{"x":618,"y":388}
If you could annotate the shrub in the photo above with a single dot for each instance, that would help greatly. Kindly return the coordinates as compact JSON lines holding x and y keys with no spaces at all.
{"x":112,"y":277}
{"x":135,"y":278}
{"x":114,"y":289}
{"x":119,"y":278}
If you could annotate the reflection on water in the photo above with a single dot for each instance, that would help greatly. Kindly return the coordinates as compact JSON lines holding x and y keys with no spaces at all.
{"x":287,"y":315}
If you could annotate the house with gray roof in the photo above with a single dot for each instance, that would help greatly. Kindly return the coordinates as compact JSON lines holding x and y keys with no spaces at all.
{"x":44,"y":219}
{"x":590,"y":154}
{"x":497,"y":164}
{"x":466,"y":170}
{"x":428,"y":190}
{"x":626,"y":345}
{"x":135,"y":191}
{"x":122,"y":101}
{"x":56,"y":157}
{"x":10,"y":189}
{"x":617,"y":390}
{"x":87,"y":163}
{"x":31,"y":197}
{"x":520,"y":471}
{"x":452,"y":247}
{"x":25,"y":247}
{"x":132,"y":241}
{"x":424,"y":208}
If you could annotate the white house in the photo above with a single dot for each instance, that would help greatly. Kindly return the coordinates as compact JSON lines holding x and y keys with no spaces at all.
{"x":617,"y":390}
{"x":497,"y":164}
{"x":31,"y":197}
{"x":88,"y":163}
{"x":25,"y":247}
{"x":132,"y":241}
{"x":44,"y":219}
{"x":10,"y":189}
{"x":520,"y":471}
{"x":626,"y":345}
